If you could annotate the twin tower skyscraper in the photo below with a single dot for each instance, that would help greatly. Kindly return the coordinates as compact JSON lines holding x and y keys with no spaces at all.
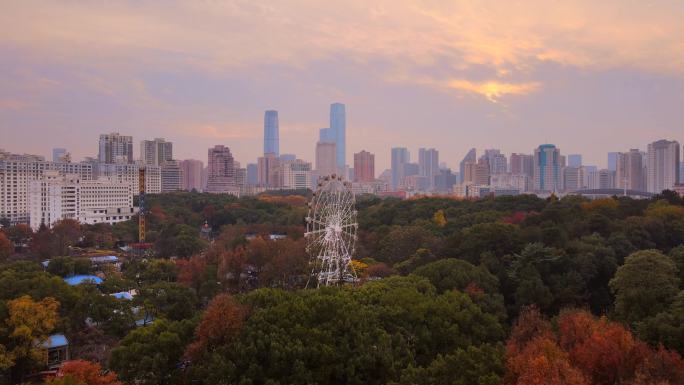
{"x":336,"y":133}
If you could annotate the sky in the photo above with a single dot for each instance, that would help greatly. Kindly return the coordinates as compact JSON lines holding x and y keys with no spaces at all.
{"x":588,"y":76}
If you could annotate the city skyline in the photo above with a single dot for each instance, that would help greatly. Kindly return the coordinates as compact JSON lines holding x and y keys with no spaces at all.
{"x":502,"y":75}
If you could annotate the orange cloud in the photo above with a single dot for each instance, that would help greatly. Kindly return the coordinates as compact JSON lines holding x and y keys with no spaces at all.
{"x":505,"y":36}
{"x":492,"y":89}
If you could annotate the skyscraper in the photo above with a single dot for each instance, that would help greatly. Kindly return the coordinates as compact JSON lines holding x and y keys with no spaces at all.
{"x":326,"y":135}
{"x":252,"y":174}
{"x":428,"y":165}
{"x":471,"y":157}
{"x":629,"y":172}
{"x":400,"y":157}
{"x":547,"y":168}
{"x":496,"y":160}
{"x":220,"y":170}
{"x":271,"y":133}
{"x":171,"y":176}
{"x":364,"y":167}
{"x":663,"y":165}
{"x":612,"y":161}
{"x":268,"y":170}
{"x":115,"y":148}
{"x":338,"y":124}
{"x":156,"y":152}
{"x":192,"y":174}
{"x":326,"y":158}
{"x":522,"y":164}
{"x":574,"y":160}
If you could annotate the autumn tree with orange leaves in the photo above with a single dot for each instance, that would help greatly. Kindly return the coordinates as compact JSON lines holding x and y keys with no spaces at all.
{"x":584,"y":350}
{"x":85,"y":373}
{"x":221,"y":323}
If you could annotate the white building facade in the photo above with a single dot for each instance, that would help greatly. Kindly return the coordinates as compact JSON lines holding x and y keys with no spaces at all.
{"x":54,"y":197}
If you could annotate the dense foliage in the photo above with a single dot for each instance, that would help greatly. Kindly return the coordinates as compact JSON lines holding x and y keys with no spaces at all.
{"x":451,"y":292}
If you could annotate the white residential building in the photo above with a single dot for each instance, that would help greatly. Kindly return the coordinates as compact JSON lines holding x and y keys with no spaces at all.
{"x":54,"y":197}
{"x":296,"y":174}
{"x":129,"y":173}
{"x":16,"y":171}
{"x":663,"y":166}
{"x":171,"y":176}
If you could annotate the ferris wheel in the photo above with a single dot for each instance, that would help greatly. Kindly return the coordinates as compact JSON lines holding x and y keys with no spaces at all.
{"x":331,"y":231}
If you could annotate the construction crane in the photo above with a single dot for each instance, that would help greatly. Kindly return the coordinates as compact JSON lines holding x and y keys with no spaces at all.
{"x":141,"y":248}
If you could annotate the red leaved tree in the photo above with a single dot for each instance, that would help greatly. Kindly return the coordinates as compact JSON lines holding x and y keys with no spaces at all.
{"x":86,"y":372}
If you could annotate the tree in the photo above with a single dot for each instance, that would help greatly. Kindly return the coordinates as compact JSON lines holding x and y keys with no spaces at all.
{"x":65,"y":233}
{"x":5,"y":247}
{"x":644,"y":286}
{"x":169,"y":300}
{"x":476,"y":365}
{"x":497,"y":238}
{"x":84,"y":372}
{"x":439,"y":219}
{"x":152,"y":355}
{"x":542,"y":362}
{"x":66,"y":266}
{"x":677,"y":255}
{"x":28,"y":326}
{"x":220,"y":324}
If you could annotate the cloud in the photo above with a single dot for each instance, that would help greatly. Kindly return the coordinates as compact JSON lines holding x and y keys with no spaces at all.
{"x":492,"y":89}
{"x":220,"y":36}
{"x":12,"y":104}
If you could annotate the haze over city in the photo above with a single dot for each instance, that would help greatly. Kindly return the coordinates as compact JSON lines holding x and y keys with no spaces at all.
{"x":589,"y":77}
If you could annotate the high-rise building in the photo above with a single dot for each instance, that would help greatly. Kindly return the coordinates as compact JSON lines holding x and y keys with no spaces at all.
{"x":15,"y":173}
{"x":496,"y":160}
{"x":612,"y":161}
{"x":115,"y":148}
{"x":428,"y":163}
{"x":59,"y":154}
{"x":156,"y":151}
{"x":296,"y":174}
{"x":471,"y":157}
{"x":192,"y":174}
{"x":445,"y":180}
{"x":575,"y":160}
{"x":326,"y":135}
{"x":629,"y":173}
{"x":268,"y":171}
{"x":221,"y":171}
{"x":271,"y":133}
{"x":54,"y":196}
{"x":573,"y":178}
{"x":364,"y":167}
{"x":252,"y":174}
{"x":338,"y":124}
{"x":476,"y":173}
{"x":171,"y":176}
{"x":601,"y":179}
{"x":287,"y":157}
{"x":547,"y":169}
{"x":522,"y":164}
{"x":326,"y":159}
{"x":663,"y":165}
{"x":130,"y":173}
{"x":400,"y":157}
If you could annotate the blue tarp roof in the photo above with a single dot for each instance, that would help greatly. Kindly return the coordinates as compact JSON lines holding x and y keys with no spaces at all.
{"x":122,"y":295}
{"x":104,"y":258}
{"x":55,"y":341}
{"x":79,"y":279}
